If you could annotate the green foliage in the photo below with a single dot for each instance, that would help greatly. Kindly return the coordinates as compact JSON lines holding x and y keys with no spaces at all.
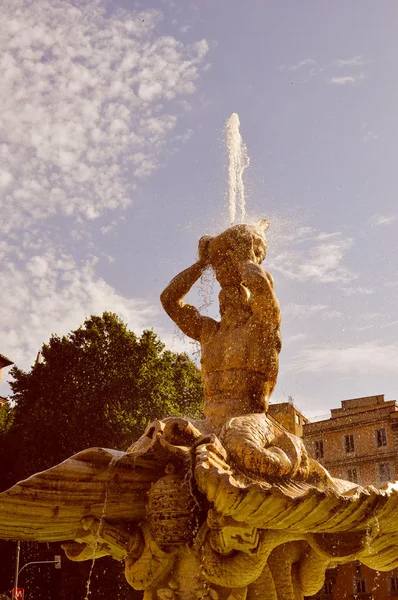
{"x":6,"y":419}
{"x":98,"y":386}
{"x":6,"y":451}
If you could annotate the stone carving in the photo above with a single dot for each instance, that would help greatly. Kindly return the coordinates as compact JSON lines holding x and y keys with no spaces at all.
{"x":222,"y":508}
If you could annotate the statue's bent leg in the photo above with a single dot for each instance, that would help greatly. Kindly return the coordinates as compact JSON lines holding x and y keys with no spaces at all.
{"x":283,"y":563}
{"x":151,"y":567}
{"x":245,"y":439}
{"x":311,"y":572}
{"x":298,"y":571}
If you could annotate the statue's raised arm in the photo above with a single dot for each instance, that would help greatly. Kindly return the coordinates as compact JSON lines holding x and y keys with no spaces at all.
{"x":186,"y":316}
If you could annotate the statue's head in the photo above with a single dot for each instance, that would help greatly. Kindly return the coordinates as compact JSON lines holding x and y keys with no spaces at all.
{"x":234,"y":245}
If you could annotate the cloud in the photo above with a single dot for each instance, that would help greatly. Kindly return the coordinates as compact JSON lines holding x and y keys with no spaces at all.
{"x":301,"y":311}
{"x":316,"y":259}
{"x":317,"y":69}
{"x":367,"y":358}
{"x":112,"y":225}
{"x":347,"y":79}
{"x":299,"y":65}
{"x":366,"y":327}
{"x":372,"y":321}
{"x":53,"y":292}
{"x":377,"y":220}
{"x":293,"y":339}
{"x":306,"y":311}
{"x":353,"y":291}
{"x":327,"y":236}
{"x":391,"y":324}
{"x":89,"y":105}
{"x":355,"y":61}
{"x":352,"y":63}
{"x":370,"y":136}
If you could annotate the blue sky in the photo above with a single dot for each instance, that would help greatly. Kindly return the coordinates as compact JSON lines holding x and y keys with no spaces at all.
{"x":113,"y":166}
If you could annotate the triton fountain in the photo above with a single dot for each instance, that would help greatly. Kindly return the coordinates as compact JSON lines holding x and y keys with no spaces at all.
{"x":223,"y":508}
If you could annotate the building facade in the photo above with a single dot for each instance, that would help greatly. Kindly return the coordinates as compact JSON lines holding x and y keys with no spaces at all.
{"x":287,"y":415}
{"x":359,"y":443}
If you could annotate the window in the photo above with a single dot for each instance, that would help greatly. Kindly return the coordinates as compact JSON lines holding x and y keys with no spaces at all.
{"x":352,"y":475}
{"x":359,"y":586}
{"x":384,"y":472}
{"x":318,"y":449}
{"x":381,"y":437}
{"x":349,"y":443}
{"x":328,"y":588}
{"x":297,"y":419}
{"x":394,"y":583}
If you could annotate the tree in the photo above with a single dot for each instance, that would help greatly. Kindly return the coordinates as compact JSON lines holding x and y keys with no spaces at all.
{"x":98,"y":386}
{"x":6,"y":418}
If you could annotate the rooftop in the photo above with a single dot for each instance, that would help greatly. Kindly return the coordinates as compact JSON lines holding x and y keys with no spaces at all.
{"x":364,"y":404}
{"x":354,"y":412}
{"x":4,"y":361}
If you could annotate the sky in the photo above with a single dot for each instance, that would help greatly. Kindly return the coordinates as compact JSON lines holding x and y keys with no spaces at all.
{"x":113,"y":165}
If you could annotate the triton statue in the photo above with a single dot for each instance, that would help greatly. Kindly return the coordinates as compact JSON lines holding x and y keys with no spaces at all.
{"x":225,"y":508}
{"x":239,"y":354}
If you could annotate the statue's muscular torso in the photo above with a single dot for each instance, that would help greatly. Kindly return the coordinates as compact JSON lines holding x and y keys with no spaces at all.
{"x":240,"y":362}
